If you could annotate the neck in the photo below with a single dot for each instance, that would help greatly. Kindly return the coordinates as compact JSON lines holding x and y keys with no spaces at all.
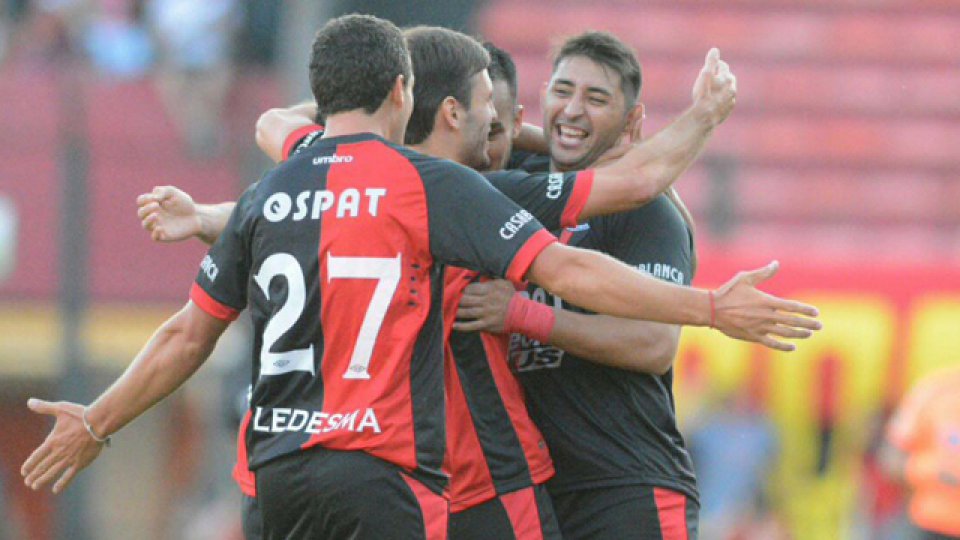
{"x":358,"y":121}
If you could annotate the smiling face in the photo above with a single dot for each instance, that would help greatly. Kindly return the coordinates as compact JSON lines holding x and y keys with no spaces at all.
{"x":584,"y":112}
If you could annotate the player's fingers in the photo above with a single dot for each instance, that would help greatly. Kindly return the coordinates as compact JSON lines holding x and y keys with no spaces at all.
{"x":777,"y":345}
{"x":797,"y":308}
{"x":798,"y":322}
{"x":710,"y":63}
{"x":147,"y":209}
{"x":755,"y":277}
{"x":471,"y":299}
{"x":150,"y":222}
{"x":40,"y":406}
{"x":469,"y":326}
{"x":145,"y":198}
{"x":35,"y":457}
{"x":41,"y":468}
{"x":54,"y":471}
{"x":469,"y":312}
{"x":790,"y":332}
{"x":65,"y":479}
{"x":157,"y":235}
{"x":163,"y":192}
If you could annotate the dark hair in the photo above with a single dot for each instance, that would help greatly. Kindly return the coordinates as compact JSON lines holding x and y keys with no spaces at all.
{"x":607,"y":50}
{"x":355,"y":62}
{"x":443,"y":63}
{"x":502,"y":67}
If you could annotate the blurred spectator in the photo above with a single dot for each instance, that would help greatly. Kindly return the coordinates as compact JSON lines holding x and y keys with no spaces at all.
{"x":117,"y":41}
{"x":195,"y":45}
{"x":924,"y":450}
{"x":734,"y":447}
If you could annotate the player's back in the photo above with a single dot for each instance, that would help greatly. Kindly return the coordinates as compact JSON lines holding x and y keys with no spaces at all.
{"x":344,"y":228}
{"x":339,"y":253}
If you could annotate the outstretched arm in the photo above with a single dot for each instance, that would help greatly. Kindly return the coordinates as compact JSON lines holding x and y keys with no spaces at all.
{"x":171,"y":356}
{"x":600,"y":283}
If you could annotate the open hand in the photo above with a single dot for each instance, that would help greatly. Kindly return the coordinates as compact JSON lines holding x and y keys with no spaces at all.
{"x":744,"y":312}
{"x":66,"y":450}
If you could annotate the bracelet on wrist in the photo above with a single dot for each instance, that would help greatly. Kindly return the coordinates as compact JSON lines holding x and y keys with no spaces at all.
{"x":93,"y":434}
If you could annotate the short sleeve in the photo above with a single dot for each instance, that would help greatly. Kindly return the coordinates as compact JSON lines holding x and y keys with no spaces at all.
{"x":474,"y":226}
{"x":555,"y":199}
{"x":221,"y":285}
{"x":653,"y":238}
{"x":300,"y":139}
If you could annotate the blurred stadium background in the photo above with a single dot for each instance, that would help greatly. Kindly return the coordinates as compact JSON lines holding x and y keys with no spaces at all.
{"x":841,"y":160}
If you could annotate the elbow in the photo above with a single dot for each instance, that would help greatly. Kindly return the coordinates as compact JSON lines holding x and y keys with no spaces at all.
{"x":654,"y":357}
{"x":646,"y":186}
{"x":263,"y":129}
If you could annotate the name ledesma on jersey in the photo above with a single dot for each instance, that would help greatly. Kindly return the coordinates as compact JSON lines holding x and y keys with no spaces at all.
{"x":281,"y":419}
{"x":313,"y":203}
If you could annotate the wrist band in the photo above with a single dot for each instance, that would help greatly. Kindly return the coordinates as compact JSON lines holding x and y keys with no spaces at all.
{"x":530,"y":318}
{"x":713,"y":310}
{"x":93,"y":434}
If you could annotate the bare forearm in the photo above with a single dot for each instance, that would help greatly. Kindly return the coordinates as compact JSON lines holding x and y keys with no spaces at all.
{"x":603,"y":284}
{"x":642,"y":346}
{"x":650,"y":167}
{"x":171,"y":356}
{"x":213,"y":219}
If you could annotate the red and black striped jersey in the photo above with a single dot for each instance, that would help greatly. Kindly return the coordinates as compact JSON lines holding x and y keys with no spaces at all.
{"x":339,"y":253}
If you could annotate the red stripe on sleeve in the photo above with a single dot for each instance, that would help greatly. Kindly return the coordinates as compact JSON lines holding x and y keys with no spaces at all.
{"x":213,"y":308}
{"x":578,"y":199}
{"x":524,"y":258}
{"x":672,"y":513}
{"x":433,"y":507}
{"x":295,"y":137}
{"x":524,"y":515}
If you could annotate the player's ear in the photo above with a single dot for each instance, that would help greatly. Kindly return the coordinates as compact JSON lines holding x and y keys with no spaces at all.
{"x":543,"y":96}
{"x":635,"y":121}
{"x":450,"y":113}
{"x":397,"y":91}
{"x":517,"y":122}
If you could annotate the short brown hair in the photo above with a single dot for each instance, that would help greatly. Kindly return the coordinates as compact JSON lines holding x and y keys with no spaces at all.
{"x":443,"y":63}
{"x":354,"y":63}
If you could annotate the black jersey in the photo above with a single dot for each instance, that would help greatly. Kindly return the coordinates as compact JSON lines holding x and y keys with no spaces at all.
{"x":339,"y":253}
{"x":604,"y":426}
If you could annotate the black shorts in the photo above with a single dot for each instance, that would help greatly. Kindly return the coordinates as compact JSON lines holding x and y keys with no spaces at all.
{"x":321,"y":493}
{"x":526,"y":514}
{"x":627,"y":513}
{"x":251,"y":519}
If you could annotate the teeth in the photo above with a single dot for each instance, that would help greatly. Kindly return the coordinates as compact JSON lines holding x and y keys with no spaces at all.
{"x":568,"y":131}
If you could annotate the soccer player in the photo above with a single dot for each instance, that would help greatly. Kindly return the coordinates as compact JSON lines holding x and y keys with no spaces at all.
{"x":600,"y":388}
